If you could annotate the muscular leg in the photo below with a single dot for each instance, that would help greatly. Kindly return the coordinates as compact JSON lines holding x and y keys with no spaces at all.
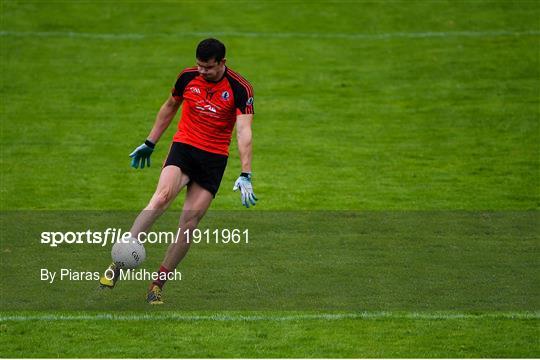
{"x":197,"y":201}
{"x":171,"y":181}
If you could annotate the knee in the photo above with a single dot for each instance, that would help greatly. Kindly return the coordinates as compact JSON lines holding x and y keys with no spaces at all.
{"x":190,"y":220}
{"x":160,"y":199}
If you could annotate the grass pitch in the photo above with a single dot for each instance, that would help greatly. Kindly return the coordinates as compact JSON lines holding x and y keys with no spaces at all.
{"x":410,"y":130}
{"x":394,"y":335}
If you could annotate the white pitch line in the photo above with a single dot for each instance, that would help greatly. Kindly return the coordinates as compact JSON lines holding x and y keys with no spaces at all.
{"x":295,"y":317}
{"x":277,"y":35}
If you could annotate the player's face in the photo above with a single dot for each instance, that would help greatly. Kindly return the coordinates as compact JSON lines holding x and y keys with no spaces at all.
{"x":211,"y":70}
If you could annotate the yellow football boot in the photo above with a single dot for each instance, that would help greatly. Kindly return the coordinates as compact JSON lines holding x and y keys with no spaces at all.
{"x":110,"y":277}
{"x":153,"y":297}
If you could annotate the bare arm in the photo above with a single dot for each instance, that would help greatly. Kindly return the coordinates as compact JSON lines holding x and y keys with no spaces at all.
{"x":163,"y":119}
{"x":244,"y":137}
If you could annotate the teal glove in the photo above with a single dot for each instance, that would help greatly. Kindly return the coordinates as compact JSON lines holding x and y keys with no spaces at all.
{"x":142,"y":154}
{"x":244,"y":184}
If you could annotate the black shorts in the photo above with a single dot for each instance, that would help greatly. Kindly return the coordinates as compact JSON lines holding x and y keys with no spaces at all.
{"x":203,"y":167}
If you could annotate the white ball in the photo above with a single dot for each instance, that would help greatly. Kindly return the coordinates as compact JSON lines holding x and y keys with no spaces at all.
{"x":128,"y":253}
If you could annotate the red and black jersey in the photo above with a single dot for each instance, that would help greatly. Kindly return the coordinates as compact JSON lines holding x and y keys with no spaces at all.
{"x":210,"y":108}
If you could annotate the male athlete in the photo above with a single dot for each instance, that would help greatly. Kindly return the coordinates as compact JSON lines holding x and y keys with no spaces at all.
{"x":215,"y":98}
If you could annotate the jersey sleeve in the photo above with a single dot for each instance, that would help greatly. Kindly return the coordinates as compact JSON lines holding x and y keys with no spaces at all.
{"x":244,"y":101}
{"x":183,"y":79}
{"x":243,"y":93}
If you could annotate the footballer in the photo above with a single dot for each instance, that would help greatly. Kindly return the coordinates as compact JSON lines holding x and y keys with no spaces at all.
{"x":214,"y":98}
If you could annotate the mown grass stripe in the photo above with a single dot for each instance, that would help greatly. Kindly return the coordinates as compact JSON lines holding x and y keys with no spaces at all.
{"x":276,"y":35}
{"x":296,"y":317}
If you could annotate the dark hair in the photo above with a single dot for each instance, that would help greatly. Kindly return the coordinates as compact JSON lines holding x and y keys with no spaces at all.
{"x":210,"y":49}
